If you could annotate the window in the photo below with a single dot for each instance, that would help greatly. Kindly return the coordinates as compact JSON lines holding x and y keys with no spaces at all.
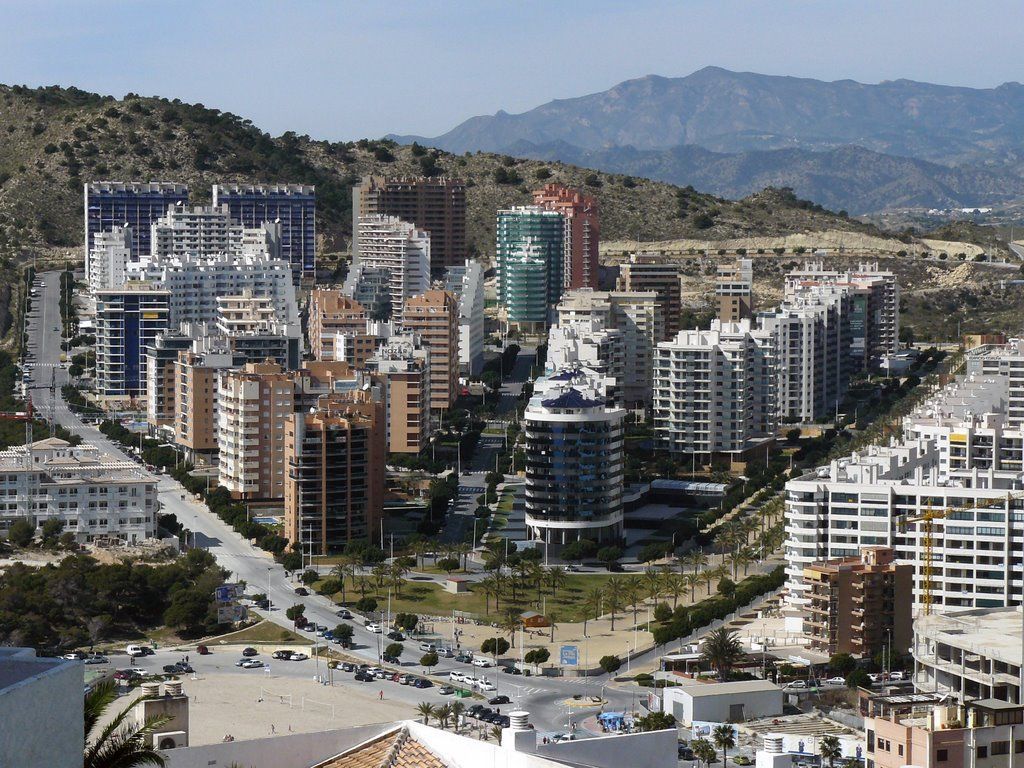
{"x":1000,"y":747}
{"x":982,"y":752}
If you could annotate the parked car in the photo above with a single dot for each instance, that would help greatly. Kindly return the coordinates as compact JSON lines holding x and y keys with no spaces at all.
{"x":127,"y":674}
{"x":202,"y":650}
{"x":470,"y":681}
{"x":836,"y":681}
{"x":796,"y":685}
{"x":344,"y":613}
{"x":171,"y":669}
{"x":897,"y":675}
{"x":138,"y":650}
{"x":499,"y":700}
{"x":391,"y":659}
{"x":456,"y":676}
{"x":281,"y":654}
{"x":96,"y":658}
{"x":446,"y":690}
{"x":685,"y":753}
{"x":74,"y":656}
{"x":299,"y":656}
{"x":483,"y":661}
{"x":464,"y":658}
{"x":364,"y":677}
{"x":394,"y":634}
{"x":422,"y":682}
{"x":373,"y":627}
{"x":510,"y":670}
{"x":348,"y":666}
{"x":321,"y":629}
{"x":486,"y":685}
{"x":252,"y":664}
{"x":445,"y":653}
{"x":250,"y":652}
{"x":428,"y":647}
{"x":405,"y":679}
{"x":381,"y":674}
{"x":240,"y":662}
{"x":302,"y":591}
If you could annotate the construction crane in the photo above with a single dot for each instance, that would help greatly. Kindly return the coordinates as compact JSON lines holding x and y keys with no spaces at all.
{"x":930,"y":518}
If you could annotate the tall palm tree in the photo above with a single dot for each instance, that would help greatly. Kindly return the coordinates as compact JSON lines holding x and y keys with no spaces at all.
{"x":715,"y":574}
{"x":463,"y":549}
{"x":632,"y":594}
{"x":721,"y":650}
{"x":488,"y":587}
{"x":556,"y":579}
{"x":652,"y":583}
{"x":613,"y":596}
{"x":696,"y":559}
{"x":426,"y":710}
{"x":121,"y":743}
{"x":443,"y":715}
{"x":725,"y":739}
{"x":592,"y":605}
{"x":675,"y":585}
{"x":830,"y":749}
{"x":457,"y":708}
{"x":496,"y":733}
{"x":552,"y":617}
{"x":342,"y":572}
{"x":380,"y":574}
{"x":703,"y":750}
{"x":509,"y":625}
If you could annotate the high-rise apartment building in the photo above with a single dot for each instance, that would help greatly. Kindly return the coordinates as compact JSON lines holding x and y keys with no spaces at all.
{"x":530,"y":256}
{"x":589,"y":345}
{"x":251,"y":327}
{"x":161,"y":357}
{"x":136,"y":205}
{"x":574,"y":464}
{"x":734,"y":288}
{"x":582,"y":232}
{"x":196,"y":376}
{"x":292,"y":206}
{"x":107,"y":264}
{"x":398,"y":249}
{"x":209,"y":230}
{"x":875,"y":311}
{"x":466,"y":283}
{"x":652,"y":272}
{"x":638,"y":316}
{"x":128,"y":320}
{"x":860,"y":605}
{"x":437,"y":205}
{"x":813,"y":337}
{"x":714,"y":393}
{"x":331,"y":313}
{"x":402,"y":368}
{"x":334,"y":485}
{"x":434,"y":318}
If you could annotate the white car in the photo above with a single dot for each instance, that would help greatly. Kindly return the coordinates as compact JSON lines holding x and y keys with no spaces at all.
{"x":836,"y":681}
{"x":456,"y":676}
{"x":252,"y":664}
{"x":797,"y":684}
{"x":297,"y":656}
{"x":897,"y":675}
{"x":374,"y":627}
{"x":470,"y":681}
{"x":486,"y":685}
{"x":482,"y":661}
{"x":135,"y":651}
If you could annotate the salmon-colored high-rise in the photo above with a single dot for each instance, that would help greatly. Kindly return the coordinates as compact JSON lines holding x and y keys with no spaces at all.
{"x":582,"y":232}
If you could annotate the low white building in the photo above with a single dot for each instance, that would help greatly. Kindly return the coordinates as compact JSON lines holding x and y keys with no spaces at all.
{"x":723,"y":702}
{"x":97,"y":497}
{"x":41,"y":712}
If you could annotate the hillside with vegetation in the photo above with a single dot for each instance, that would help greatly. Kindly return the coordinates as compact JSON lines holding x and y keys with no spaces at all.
{"x":55,"y":139}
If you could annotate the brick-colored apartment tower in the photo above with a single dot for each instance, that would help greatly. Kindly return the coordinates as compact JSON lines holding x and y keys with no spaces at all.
{"x":434,"y":316}
{"x":858,"y":604}
{"x":734,"y":287}
{"x":331,"y":313}
{"x":437,"y":205}
{"x":582,"y":232}
{"x":651,"y":272}
{"x":334,"y":478}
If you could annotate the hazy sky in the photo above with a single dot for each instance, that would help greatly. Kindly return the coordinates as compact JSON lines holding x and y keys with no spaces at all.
{"x":344,"y":70}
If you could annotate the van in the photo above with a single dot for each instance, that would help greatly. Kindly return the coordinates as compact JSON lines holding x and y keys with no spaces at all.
{"x":428,"y":647}
{"x":135,"y":650}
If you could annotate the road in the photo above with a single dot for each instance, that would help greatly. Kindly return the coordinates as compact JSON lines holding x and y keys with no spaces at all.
{"x":542,"y":697}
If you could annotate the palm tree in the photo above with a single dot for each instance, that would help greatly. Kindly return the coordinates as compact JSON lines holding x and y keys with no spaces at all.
{"x":488,"y":587}
{"x":509,"y":625}
{"x":556,"y":578}
{"x":380,"y":574}
{"x":396,"y":575}
{"x":675,"y":585}
{"x":721,"y":650}
{"x":121,"y":743}
{"x":462,"y":550}
{"x":552,"y":616}
{"x":592,"y":604}
{"x":426,"y":710}
{"x":457,"y":708}
{"x":652,"y":582}
{"x":496,"y":733}
{"x":692,"y":581}
{"x":443,"y":715}
{"x":703,"y":750}
{"x":342,"y":572}
{"x":725,"y":739}
{"x":613,"y":596}
{"x":697,"y":559}
{"x":733,"y":559}
{"x":830,"y":749}
{"x":715,"y":574}
{"x":745,"y":557}
{"x":632,"y":594}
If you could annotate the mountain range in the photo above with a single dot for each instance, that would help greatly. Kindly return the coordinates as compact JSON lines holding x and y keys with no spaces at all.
{"x":844,"y":144}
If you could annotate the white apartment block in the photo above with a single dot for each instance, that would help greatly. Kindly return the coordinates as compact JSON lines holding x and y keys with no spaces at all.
{"x":107,"y":264}
{"x":958,"y":453}
{"x":638,"y":315}
{"x":466,"y":283}
{"x":812,"y":339}
{"x":715,"y":390}
{"x":196,"y":282}
{"x":1008,"y":361}
{"x":97,"y":497}
{"x":588,"y":344}
{"x":402,"y":251}
{"x":207,"y":231}
{"x":876,"y":299}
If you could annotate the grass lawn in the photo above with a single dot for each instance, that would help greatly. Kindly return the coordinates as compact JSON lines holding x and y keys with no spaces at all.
{"x":264,"y":632}
{"x":432,"y":599}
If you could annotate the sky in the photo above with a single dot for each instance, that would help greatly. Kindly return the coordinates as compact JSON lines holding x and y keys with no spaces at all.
{"x":344,"y":70}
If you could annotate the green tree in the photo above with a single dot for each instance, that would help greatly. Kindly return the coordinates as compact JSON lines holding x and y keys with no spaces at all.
{"x":662,"y":612}
{"x":494,"y":645}
{"x":428,"y":660}
{"x":656,"y":721}
{"x":295,"y":611}
{"x":703,"y":750}
{"x":725,"y":739}
{"x":366,"y":604}
{"x":121,"y":743}
{"x":344,"y":633}
{"x":188,"y":611}
{"x":448,"y":564}
{"x":610,"y":664}
{"x":830,"y":749}
{"x":721,"y":650}
{"x":50,"y":531}
{"x":21,"y":532}
{"x":310,"y":577}
{"x":727,"y":587}
{"x":858,"y":679}
{"x":609,"y":556}
{"x":426,"y":710}
{"x":842,"y":663}
{"x":394,"y":649}
{"x":537,"y":656}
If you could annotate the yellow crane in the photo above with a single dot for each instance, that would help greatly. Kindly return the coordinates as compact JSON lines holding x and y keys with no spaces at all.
{"x":929,"y":518}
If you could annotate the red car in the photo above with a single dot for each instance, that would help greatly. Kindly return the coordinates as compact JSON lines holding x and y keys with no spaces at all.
{"x":202,"y":650}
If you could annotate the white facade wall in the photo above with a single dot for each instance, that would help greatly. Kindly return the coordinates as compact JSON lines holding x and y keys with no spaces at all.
{"x":402,"y":250}
{"x":107,"y":265}
{"x":466,"y":283}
